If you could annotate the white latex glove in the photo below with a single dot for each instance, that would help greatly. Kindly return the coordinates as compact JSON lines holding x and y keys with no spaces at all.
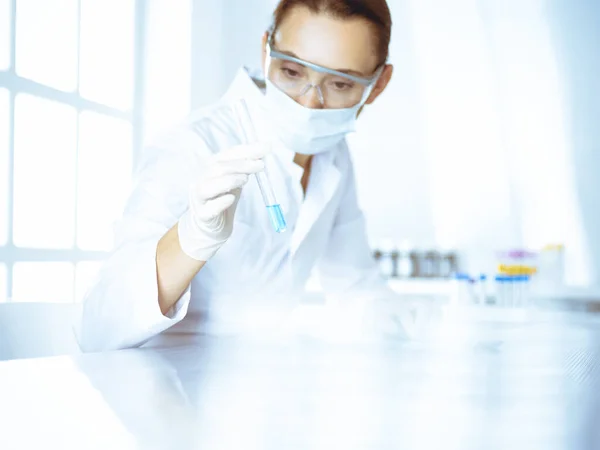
{"x":213,"y":198}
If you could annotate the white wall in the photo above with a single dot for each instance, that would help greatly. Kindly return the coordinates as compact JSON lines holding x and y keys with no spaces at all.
{"x":167,"y":80}
{"x":226,"y":36}
{"x":576,"y":32}
{"x":207,"y":51}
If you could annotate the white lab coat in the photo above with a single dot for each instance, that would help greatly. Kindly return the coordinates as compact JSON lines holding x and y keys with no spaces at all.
{"x":258,"y":275}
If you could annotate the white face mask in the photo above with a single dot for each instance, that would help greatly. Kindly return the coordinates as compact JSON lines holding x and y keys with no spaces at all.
{"x":304,"y":130}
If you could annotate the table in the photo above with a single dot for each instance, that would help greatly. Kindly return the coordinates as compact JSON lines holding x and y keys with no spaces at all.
{"x":529,"y":387}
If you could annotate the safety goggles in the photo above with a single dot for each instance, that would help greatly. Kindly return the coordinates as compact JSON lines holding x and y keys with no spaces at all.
{"x":335,"y":90}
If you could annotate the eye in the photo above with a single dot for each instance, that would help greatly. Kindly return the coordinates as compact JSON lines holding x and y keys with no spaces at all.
{"x":339,"y":85}
{"x":291,"y":73}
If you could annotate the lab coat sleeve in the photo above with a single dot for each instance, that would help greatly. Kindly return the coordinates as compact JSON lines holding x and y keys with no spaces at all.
{"x":347,"y":267}
{"x":121,"y":309}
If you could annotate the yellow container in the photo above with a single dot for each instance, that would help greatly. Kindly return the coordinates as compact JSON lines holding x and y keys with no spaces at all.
{"x":516,"y":270}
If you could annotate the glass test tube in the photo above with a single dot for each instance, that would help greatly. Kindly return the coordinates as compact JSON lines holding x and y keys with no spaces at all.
{"x":462,"y":290}
{"x":483,"y":290}
{"x":523,"y":287}
{"x":502,"y":291}
{"x":264,"y":184}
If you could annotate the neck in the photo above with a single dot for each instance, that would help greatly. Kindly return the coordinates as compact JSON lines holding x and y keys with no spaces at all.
{"x":302,"y":160}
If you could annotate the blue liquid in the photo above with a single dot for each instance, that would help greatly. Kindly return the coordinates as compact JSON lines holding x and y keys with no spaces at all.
{"x":277,"y":219}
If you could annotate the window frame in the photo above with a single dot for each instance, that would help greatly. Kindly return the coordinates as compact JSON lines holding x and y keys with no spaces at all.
{"x":9,"y":253}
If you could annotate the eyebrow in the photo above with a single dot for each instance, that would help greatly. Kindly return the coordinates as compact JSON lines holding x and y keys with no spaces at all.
{"x":348,"y":71}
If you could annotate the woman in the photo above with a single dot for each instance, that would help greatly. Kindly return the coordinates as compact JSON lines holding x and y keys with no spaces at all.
{"x":195,"y":246}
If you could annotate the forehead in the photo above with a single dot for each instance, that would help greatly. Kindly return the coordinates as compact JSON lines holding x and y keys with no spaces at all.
{"x":348,"y":44}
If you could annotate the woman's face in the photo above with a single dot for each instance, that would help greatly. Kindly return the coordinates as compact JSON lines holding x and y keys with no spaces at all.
{"x":345,"y":45}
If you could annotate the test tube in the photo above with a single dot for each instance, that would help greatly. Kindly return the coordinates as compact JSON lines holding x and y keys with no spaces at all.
{"x":264,"y":184}
{"x":462,"y":290}
{"x":523,"y":287}
{"x":515,"y":284}
{"x":483,"y":290}
{"x":502,"y":290}
{"x":472,"y":298}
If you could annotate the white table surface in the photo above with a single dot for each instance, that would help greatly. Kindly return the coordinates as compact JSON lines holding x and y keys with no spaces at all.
{"x":533,"y":386}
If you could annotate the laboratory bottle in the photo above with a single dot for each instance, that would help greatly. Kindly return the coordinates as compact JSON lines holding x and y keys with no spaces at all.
{"x":404,"y":265}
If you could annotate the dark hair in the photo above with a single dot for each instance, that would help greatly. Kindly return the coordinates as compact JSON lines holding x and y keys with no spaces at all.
{"x":376,"y":12}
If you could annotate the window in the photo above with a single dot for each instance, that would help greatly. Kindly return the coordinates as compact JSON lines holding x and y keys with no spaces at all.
{"x":106,"y":61}
{"x":46,"y":42}
{"x":71,"y":125}
{"x":53,"y":282}
{"x":5,"y":30}
{"x":104,"y":176}
{"x":44,"y":173}
{"x":68,"y":125}
{"x":3,"y":283}
{"x":85,"y":274}
{"x":4,"y":162}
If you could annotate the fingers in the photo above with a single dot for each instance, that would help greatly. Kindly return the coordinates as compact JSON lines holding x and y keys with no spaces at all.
{"x":218,"y":186}
{"x":240,"y":166}
{"x":226,"y":175}
{"x":244,"y":152}
{"x":215,"y":207}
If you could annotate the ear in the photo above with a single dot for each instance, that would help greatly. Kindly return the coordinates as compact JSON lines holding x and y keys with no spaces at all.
{"x":264,"y":52}
{"x":384,"y":79}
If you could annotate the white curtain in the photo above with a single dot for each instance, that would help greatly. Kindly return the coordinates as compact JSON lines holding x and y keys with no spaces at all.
{"x":477,"y":119}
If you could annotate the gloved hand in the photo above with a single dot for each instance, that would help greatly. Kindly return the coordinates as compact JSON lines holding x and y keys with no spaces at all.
{"x":213,"y":198}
